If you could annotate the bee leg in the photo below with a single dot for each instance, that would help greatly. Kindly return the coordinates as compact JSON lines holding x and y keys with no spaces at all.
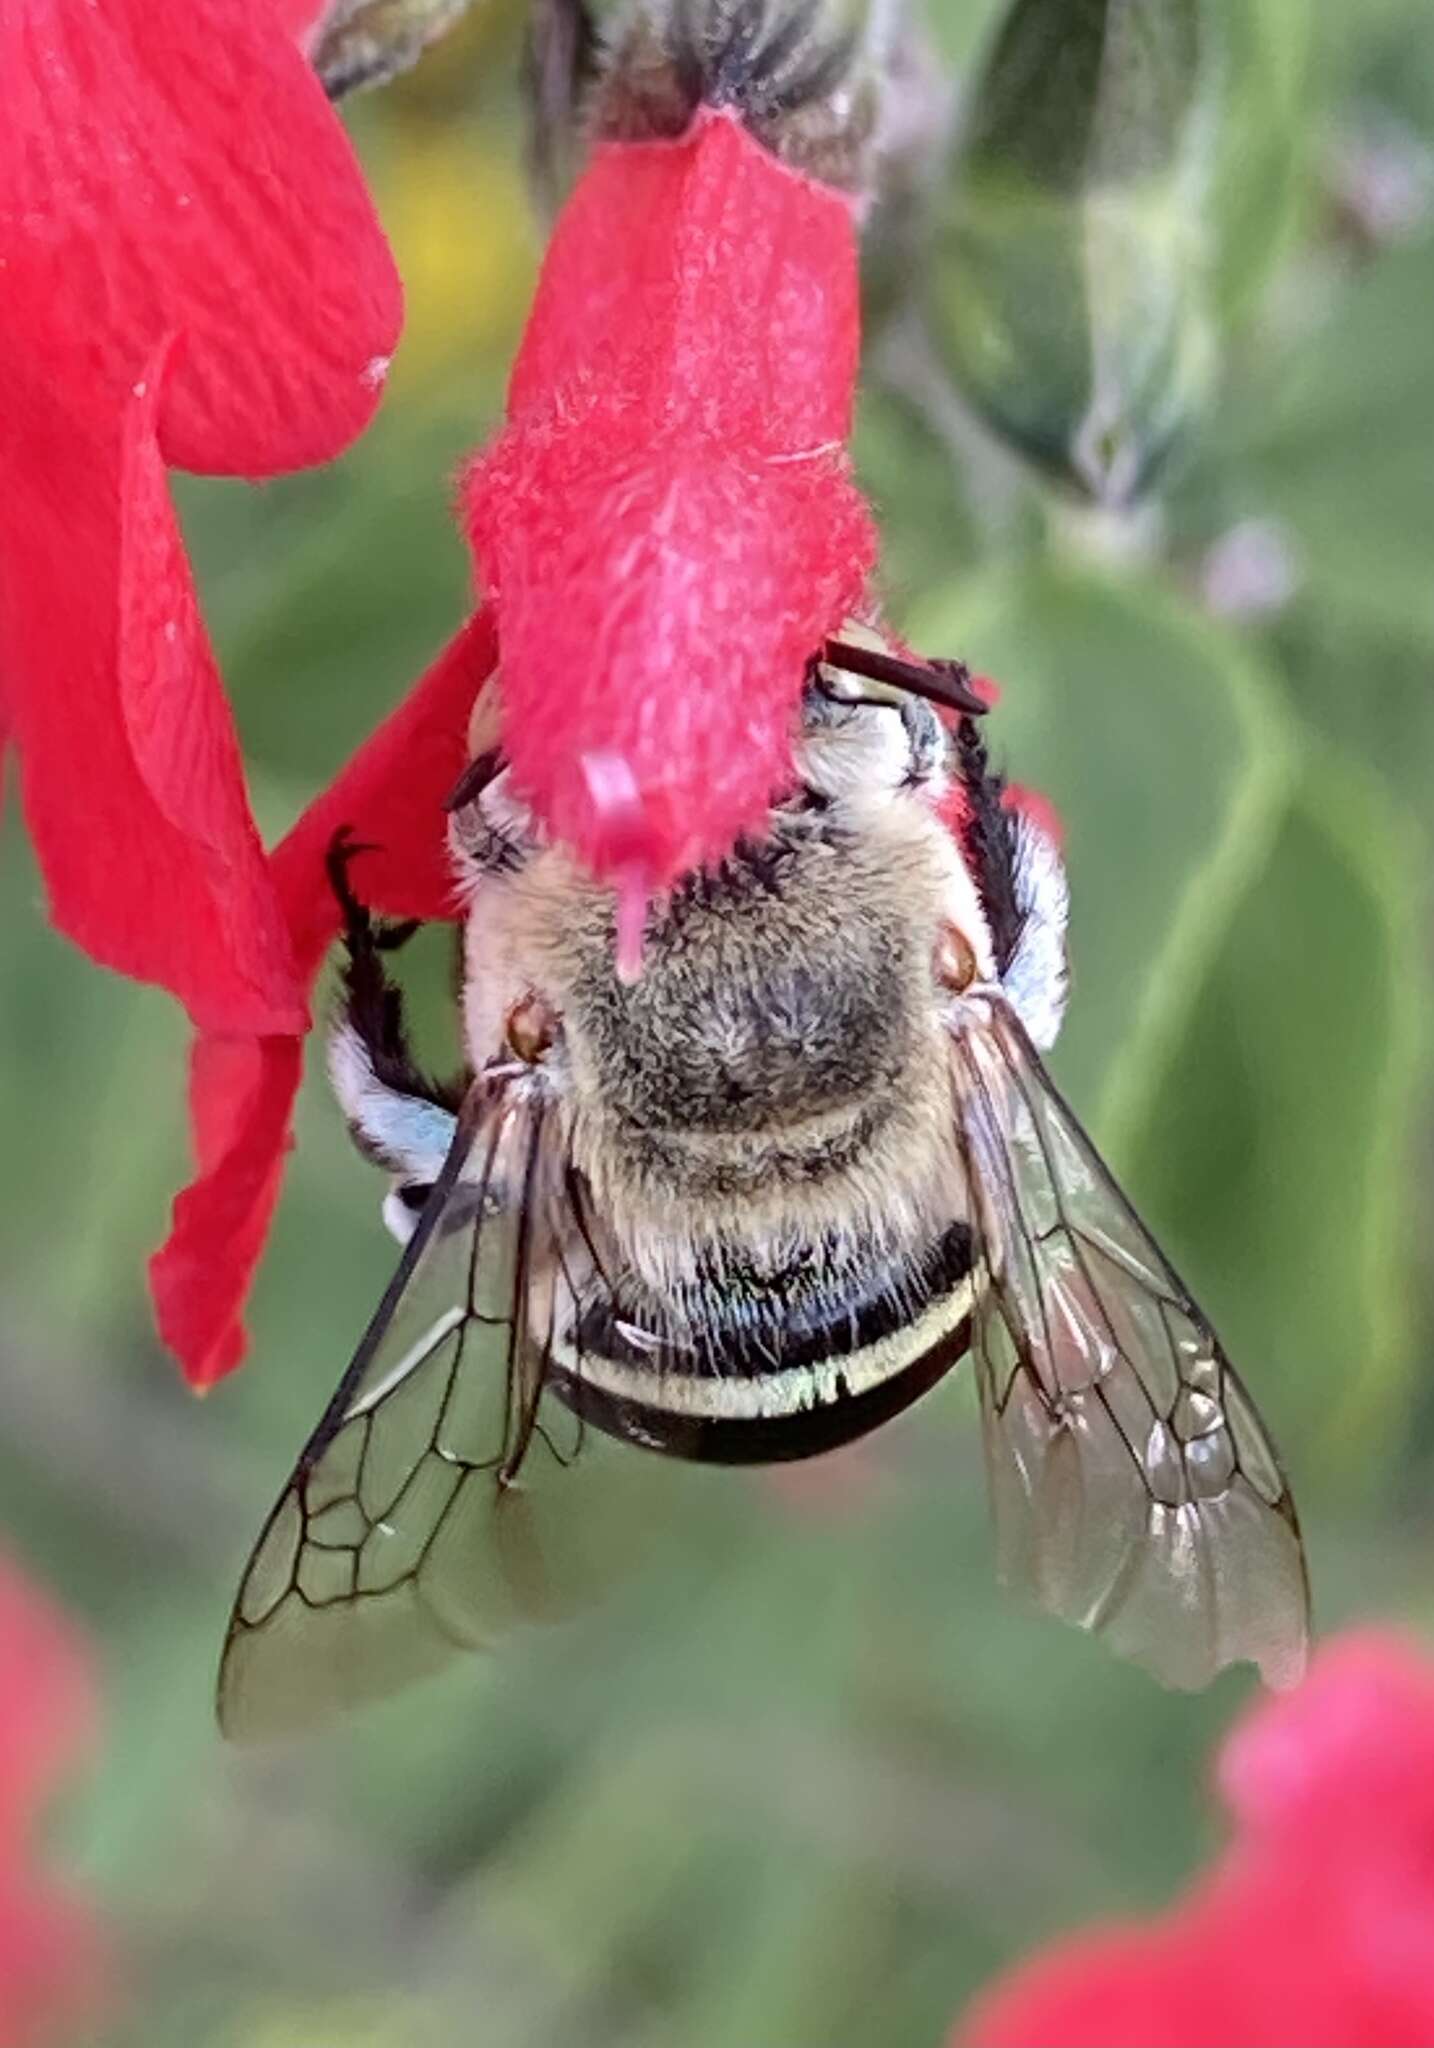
{"x":398,"y":1115}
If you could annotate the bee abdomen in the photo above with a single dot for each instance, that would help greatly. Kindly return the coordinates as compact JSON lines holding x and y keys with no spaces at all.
{"x":751,"y":1369}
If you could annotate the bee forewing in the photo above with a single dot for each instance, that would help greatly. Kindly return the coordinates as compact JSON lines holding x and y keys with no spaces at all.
{"x":1134,"y":1488}
{"x":395,"y":1545}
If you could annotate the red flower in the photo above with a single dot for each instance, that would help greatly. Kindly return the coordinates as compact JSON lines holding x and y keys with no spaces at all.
{"x":190,"y":275}
{"x":1316,"y":1930}
{"x":242,"y":1088}
{"x":668,"y":530}
{"x":50,"y":1952}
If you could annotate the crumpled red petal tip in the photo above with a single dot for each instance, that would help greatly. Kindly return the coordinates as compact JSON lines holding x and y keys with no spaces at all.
{"x":242,"y":1088}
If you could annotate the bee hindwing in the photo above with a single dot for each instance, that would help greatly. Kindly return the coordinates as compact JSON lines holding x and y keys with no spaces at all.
{"x":1134,"y":1488}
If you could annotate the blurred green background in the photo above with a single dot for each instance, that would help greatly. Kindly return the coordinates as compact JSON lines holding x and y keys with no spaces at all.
{"x":809,"y":1779}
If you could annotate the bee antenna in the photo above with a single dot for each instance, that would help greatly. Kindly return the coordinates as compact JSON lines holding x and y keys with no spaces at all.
{"x":343,"y":848}
{"x":481,"y":770}
{"x":943,"y":683}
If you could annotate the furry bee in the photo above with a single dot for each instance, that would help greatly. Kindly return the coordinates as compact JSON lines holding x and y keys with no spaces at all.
{"x":746,"y":1207}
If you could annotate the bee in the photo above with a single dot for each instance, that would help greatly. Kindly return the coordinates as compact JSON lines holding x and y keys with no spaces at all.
{"x":804,"y":76}
{"x":748,"y":1206}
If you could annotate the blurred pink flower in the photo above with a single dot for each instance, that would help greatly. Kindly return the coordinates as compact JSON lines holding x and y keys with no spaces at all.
{"x":51,"y":1953}
{"x":1316,"y":1927}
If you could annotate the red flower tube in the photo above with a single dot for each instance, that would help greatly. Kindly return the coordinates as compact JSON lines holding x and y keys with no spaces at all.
{"x":668,"y":527}
{"x":1316,"y":1930}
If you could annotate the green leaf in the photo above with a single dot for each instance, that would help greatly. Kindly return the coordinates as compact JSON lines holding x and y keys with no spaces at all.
{"x":328,"y":594}
{"x":1334,"y":437}
{"x":1260,"y":141}
{"x":1278,"y":1162}
{"x":916,"y":489}
{"x":1124,"y":178}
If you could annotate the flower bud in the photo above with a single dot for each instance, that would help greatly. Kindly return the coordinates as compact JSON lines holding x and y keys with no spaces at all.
{"x":1090,"y":223}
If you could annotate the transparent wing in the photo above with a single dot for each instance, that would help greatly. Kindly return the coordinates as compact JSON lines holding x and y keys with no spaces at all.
{"x":1134,"y":1488}
{"x":399,"y":1540}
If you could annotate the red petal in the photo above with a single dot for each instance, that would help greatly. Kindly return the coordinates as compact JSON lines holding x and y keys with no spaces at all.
{"x":1351,"y":1752}
{"x":242,"y":1090}
{"x":1035,"y":805}
{"x":1315,"y":1929}
{"x":300,"y":18}
{"x":668,"y":527}
{"x":1106,"y":1990}
{"x":177,"y":170}
{"x":241,"y":1095}
{"x":47,"y":1702}
{"x":131,"y":773}
{"x":50,"y":1964}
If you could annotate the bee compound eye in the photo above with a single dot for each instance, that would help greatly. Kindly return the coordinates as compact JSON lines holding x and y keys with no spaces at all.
{"x":530,"y":1028}
{"x":954,"y":961}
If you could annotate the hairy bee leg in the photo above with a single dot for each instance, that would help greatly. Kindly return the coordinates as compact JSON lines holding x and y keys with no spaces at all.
{"x":397,"y":1115}
{"x":1022,"y":880}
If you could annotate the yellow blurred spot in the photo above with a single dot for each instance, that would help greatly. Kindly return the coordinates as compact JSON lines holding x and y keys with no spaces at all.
{"x":463,"y":231}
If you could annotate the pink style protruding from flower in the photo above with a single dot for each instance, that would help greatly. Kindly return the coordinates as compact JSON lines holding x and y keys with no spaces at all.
{"x":1316,"y":1928}
{"x":668,"y":527}
{"x":191,"y":276}
{"x":53,"y":1968}
{"x":242,"y":1087}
